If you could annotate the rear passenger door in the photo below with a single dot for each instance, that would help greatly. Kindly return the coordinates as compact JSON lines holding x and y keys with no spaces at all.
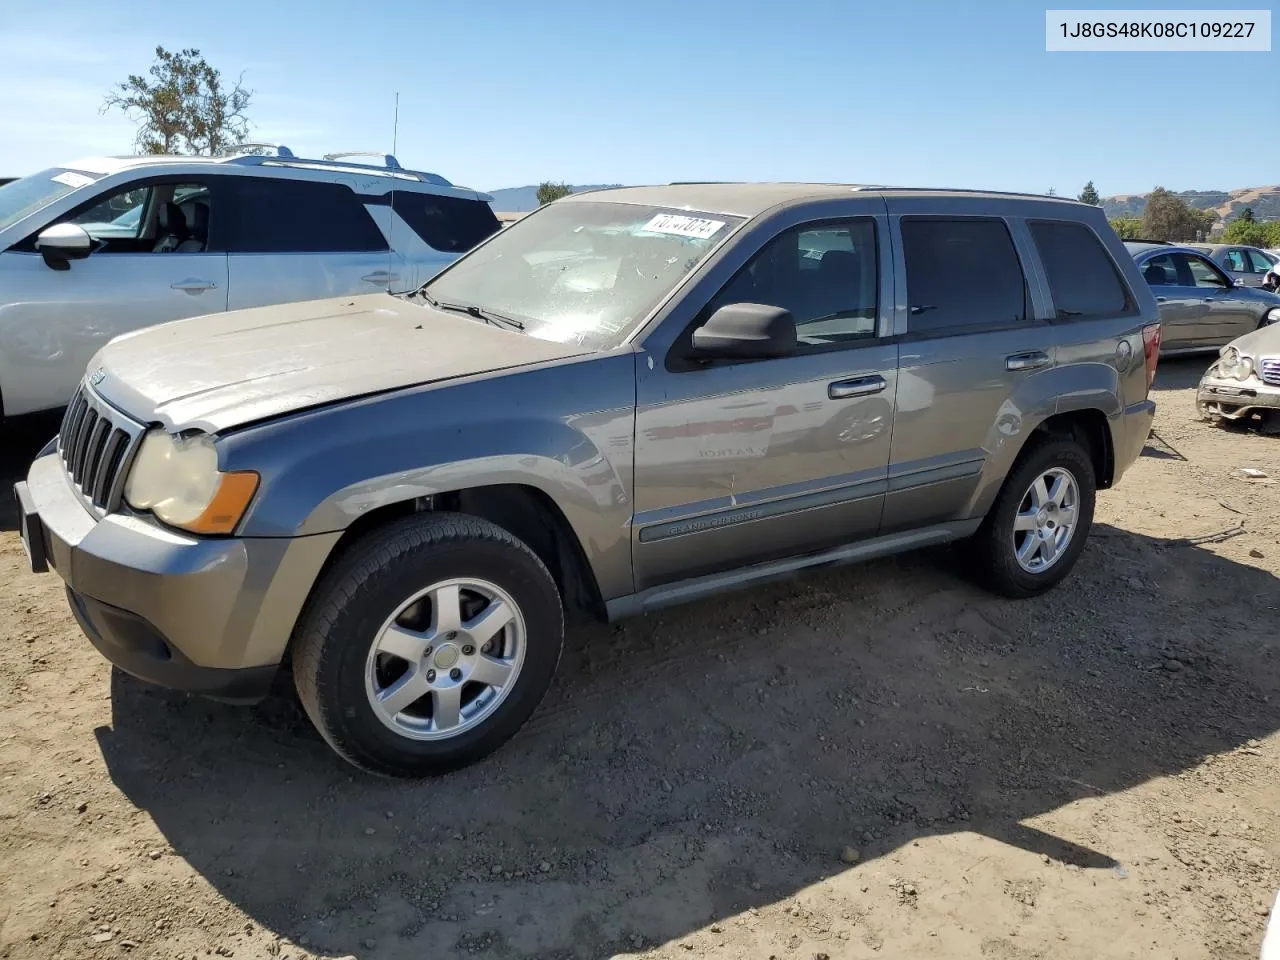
{"x":303,"y":240}
{"x":970,"y":339}
{"x":1182,"y":309}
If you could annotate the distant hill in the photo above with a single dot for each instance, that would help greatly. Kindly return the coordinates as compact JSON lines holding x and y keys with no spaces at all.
{"x":523,"y":199}
{"x":1226,"y":204}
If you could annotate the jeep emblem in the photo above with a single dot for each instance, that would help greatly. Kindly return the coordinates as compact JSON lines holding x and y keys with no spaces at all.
{"x":97,"y":377}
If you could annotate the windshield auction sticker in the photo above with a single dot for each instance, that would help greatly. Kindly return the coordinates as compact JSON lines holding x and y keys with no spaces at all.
{"x":1116,"y":31}
{"x":72,"y":179}
{"x":699,"y":228}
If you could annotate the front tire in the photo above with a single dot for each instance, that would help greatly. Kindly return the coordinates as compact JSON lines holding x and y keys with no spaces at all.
{"x":1040,"y":521}
{"x":428,"y":645}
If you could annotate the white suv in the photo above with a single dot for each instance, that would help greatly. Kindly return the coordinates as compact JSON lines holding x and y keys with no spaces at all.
{"x":106,"y":245}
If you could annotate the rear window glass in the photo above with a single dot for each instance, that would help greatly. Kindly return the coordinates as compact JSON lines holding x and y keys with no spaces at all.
{"x":1083,"y":280}
{"x":961,"y":273}
{"x":449,"y":224}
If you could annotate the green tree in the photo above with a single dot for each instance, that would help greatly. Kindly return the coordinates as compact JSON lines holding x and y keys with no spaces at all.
{"x":1168,"y":217}
{"x":548,"y":191}
{"x":1248,"y":233}
{"x":1089,"y":195}
{"x":1051,"y":192}
{"x":1246,"y":215}
{"x":1127,"y":228}
{"x":184,"y":104}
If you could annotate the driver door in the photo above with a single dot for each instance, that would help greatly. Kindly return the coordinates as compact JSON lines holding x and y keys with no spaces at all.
{"x":155,"y":260}
{"x":739,"y":462}
{"x":1226,"y":315}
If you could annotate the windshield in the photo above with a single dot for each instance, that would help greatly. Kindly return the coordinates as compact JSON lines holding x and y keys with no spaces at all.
{"x":583,"y":272}
{"x":27,"y":195}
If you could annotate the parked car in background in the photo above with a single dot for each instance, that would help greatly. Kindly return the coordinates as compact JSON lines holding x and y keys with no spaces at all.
{"x":626,"y":399}
{"x":1201,"y":307}
{"x":106,"y":245}
{"x":1244,"y":382}
{"x":1245,"y":265}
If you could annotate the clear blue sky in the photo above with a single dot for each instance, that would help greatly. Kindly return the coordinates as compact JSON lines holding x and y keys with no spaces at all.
{"x":496,"y":94}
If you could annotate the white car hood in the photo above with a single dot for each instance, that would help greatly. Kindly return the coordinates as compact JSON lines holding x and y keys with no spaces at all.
{"x":225,"y":370}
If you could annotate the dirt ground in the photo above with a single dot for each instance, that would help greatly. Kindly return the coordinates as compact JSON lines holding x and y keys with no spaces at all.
{"x":870,"y":762}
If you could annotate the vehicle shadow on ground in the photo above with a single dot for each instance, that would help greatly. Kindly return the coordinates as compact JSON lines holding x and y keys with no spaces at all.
{"x":1180,"y":373}
{"x":20,"y":440}
{"x":690,"y":764}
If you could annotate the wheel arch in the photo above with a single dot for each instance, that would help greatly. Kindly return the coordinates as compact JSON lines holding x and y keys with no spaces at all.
{"x":524,"y":511}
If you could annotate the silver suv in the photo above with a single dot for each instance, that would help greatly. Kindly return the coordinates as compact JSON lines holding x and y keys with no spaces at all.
{"x":106,"y":245}
{"x":627,"y":399}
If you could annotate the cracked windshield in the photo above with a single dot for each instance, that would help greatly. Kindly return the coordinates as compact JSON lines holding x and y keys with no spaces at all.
{"x":580,"y":271}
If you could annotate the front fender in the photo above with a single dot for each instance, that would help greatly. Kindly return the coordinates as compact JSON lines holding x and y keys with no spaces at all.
{"x":565,"y":431}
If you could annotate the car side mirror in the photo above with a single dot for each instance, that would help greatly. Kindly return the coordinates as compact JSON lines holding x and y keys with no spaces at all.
{"x":746,"y":331}
{"x":62,"y":243}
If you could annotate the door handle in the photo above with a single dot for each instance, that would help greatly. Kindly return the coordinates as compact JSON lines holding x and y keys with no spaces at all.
{"x":857,"y":387}
{"x":380,"y":276}
{"x":1162,"y":299}
{"x":193,"y":286}
{"x":1032,"y":360}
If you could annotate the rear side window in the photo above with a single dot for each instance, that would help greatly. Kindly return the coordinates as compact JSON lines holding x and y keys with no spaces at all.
{"x":448,"y":224}
{"x":961,"y":273}
{"x":297,"y":216}
{"x":1082,"y":277}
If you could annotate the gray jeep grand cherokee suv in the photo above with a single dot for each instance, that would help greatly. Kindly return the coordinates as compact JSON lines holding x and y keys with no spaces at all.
{"x":629,"y":398}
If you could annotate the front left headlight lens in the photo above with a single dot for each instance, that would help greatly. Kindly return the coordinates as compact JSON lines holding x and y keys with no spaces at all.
{"x":1235,"y":365}
{"x":1270,"y":317}
{"x":177,"y":479}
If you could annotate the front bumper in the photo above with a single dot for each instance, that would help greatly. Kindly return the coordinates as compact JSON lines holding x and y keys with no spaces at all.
{"x":1229,"y":399}
{"x":205,"y":615}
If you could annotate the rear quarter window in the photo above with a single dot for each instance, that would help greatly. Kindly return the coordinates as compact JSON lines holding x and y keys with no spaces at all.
{"x":1083,"y":279}
{"x":448,"y":224}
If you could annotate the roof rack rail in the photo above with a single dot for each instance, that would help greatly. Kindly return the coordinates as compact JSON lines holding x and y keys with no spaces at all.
{"x":248,"y":146}
{"x":390,"y":162}
{"x":1162,"y":243}
{"x":390,"y":167}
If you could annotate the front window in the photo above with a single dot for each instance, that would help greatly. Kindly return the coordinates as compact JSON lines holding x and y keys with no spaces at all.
{"x":25,"y":196}
{"x":584,"y":271}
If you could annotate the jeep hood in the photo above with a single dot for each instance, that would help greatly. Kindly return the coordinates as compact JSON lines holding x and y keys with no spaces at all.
{"x":227,"y":369}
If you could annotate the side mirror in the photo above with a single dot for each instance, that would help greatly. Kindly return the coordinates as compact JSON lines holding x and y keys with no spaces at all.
{"x":746,"y":331}
{"x":62,"y":243}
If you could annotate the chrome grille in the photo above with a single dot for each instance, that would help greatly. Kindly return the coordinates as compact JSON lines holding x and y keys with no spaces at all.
{"x":1269,"y":370}
{"x":96,"y":443}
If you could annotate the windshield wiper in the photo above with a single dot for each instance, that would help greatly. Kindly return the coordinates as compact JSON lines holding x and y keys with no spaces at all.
{"x":471,"y":310}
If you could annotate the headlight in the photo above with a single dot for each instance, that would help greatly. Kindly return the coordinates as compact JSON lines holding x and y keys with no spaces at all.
{"x":1270,"y":317}
{"x":177,"y":479}
{"x":1235,"y":365}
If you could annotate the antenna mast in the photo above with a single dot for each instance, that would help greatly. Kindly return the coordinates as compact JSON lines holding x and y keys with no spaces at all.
{"x":391,"y":228}
{"x":395,"y":125}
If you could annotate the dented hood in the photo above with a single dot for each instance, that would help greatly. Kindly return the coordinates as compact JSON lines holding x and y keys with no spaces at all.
{"x":224,"y":370}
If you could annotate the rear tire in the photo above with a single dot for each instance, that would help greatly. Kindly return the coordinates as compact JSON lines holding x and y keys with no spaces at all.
{"x":428,"y":645}
{"x":1038,"y":525}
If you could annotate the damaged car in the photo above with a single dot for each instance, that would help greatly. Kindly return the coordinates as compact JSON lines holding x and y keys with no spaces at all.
{"x":1243,"y":385}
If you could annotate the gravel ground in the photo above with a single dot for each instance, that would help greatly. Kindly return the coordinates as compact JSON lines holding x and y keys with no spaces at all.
{"x":875,"y":761}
